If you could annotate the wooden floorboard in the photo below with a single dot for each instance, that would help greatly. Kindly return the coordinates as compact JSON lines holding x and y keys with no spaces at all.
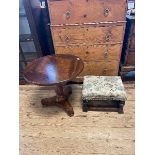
{"x":49,"y":131}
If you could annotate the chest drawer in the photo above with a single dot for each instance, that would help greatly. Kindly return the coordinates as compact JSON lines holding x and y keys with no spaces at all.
{"x":91,"y":53}
{"x":86,"y":11}
{"x":109,"y":68}
{"x":87,"y":35}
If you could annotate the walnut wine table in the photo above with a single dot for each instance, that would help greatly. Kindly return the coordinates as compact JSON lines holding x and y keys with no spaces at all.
{"x":55,"y":70}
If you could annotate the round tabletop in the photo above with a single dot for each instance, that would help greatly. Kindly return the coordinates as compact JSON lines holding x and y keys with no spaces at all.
{"x":53,"y":69}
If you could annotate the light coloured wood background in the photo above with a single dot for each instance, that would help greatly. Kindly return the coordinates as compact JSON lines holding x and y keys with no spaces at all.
{"x":49,"y":131}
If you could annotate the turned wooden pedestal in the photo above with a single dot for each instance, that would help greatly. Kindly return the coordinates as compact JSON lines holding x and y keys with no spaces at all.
{"x":60,"y":100}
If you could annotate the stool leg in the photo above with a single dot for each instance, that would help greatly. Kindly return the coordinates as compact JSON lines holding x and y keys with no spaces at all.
{"x":120,"y":108}
{"x":84,"y":106}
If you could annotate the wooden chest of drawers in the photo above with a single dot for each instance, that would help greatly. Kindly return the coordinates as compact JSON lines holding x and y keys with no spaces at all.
{"x":90,"y":29}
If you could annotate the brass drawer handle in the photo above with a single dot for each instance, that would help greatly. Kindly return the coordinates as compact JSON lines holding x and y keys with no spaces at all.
{"x":68,"y":14}
{"x":106,"y":12}
{"x":108,"y":37}
{"x":105,"y":54}
{"x":105,"y":71}
{"x":66,"y":38}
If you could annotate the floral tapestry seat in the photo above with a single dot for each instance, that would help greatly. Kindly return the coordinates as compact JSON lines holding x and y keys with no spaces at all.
{"x":103,"y":93}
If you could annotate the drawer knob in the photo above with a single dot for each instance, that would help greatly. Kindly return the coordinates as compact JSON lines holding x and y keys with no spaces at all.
{"x":106,"y":12}
{"x":68,"y":14}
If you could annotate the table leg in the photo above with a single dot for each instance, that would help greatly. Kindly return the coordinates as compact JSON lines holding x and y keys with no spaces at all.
{"x":60,"y":100}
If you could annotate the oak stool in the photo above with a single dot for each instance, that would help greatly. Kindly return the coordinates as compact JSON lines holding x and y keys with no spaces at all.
{"x":103,"y":93}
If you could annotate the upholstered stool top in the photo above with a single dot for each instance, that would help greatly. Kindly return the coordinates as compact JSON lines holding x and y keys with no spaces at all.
{"x":103,"y":88}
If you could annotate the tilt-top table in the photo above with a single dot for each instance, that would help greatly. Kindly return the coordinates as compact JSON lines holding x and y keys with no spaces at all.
{"x":55,"y":70}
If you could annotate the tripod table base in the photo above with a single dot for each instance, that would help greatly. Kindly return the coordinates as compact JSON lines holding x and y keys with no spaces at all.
{"x":60,"y":100}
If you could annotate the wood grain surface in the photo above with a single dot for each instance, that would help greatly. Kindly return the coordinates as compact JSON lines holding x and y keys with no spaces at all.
{"x":49,"y":131}
{"x":87,"y":34}
{"x":99,"y":68}
{"x":98,"y":60}
{"x":93,"y":53}
{"x":53,"y":69}
{"x":85,"y":11}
